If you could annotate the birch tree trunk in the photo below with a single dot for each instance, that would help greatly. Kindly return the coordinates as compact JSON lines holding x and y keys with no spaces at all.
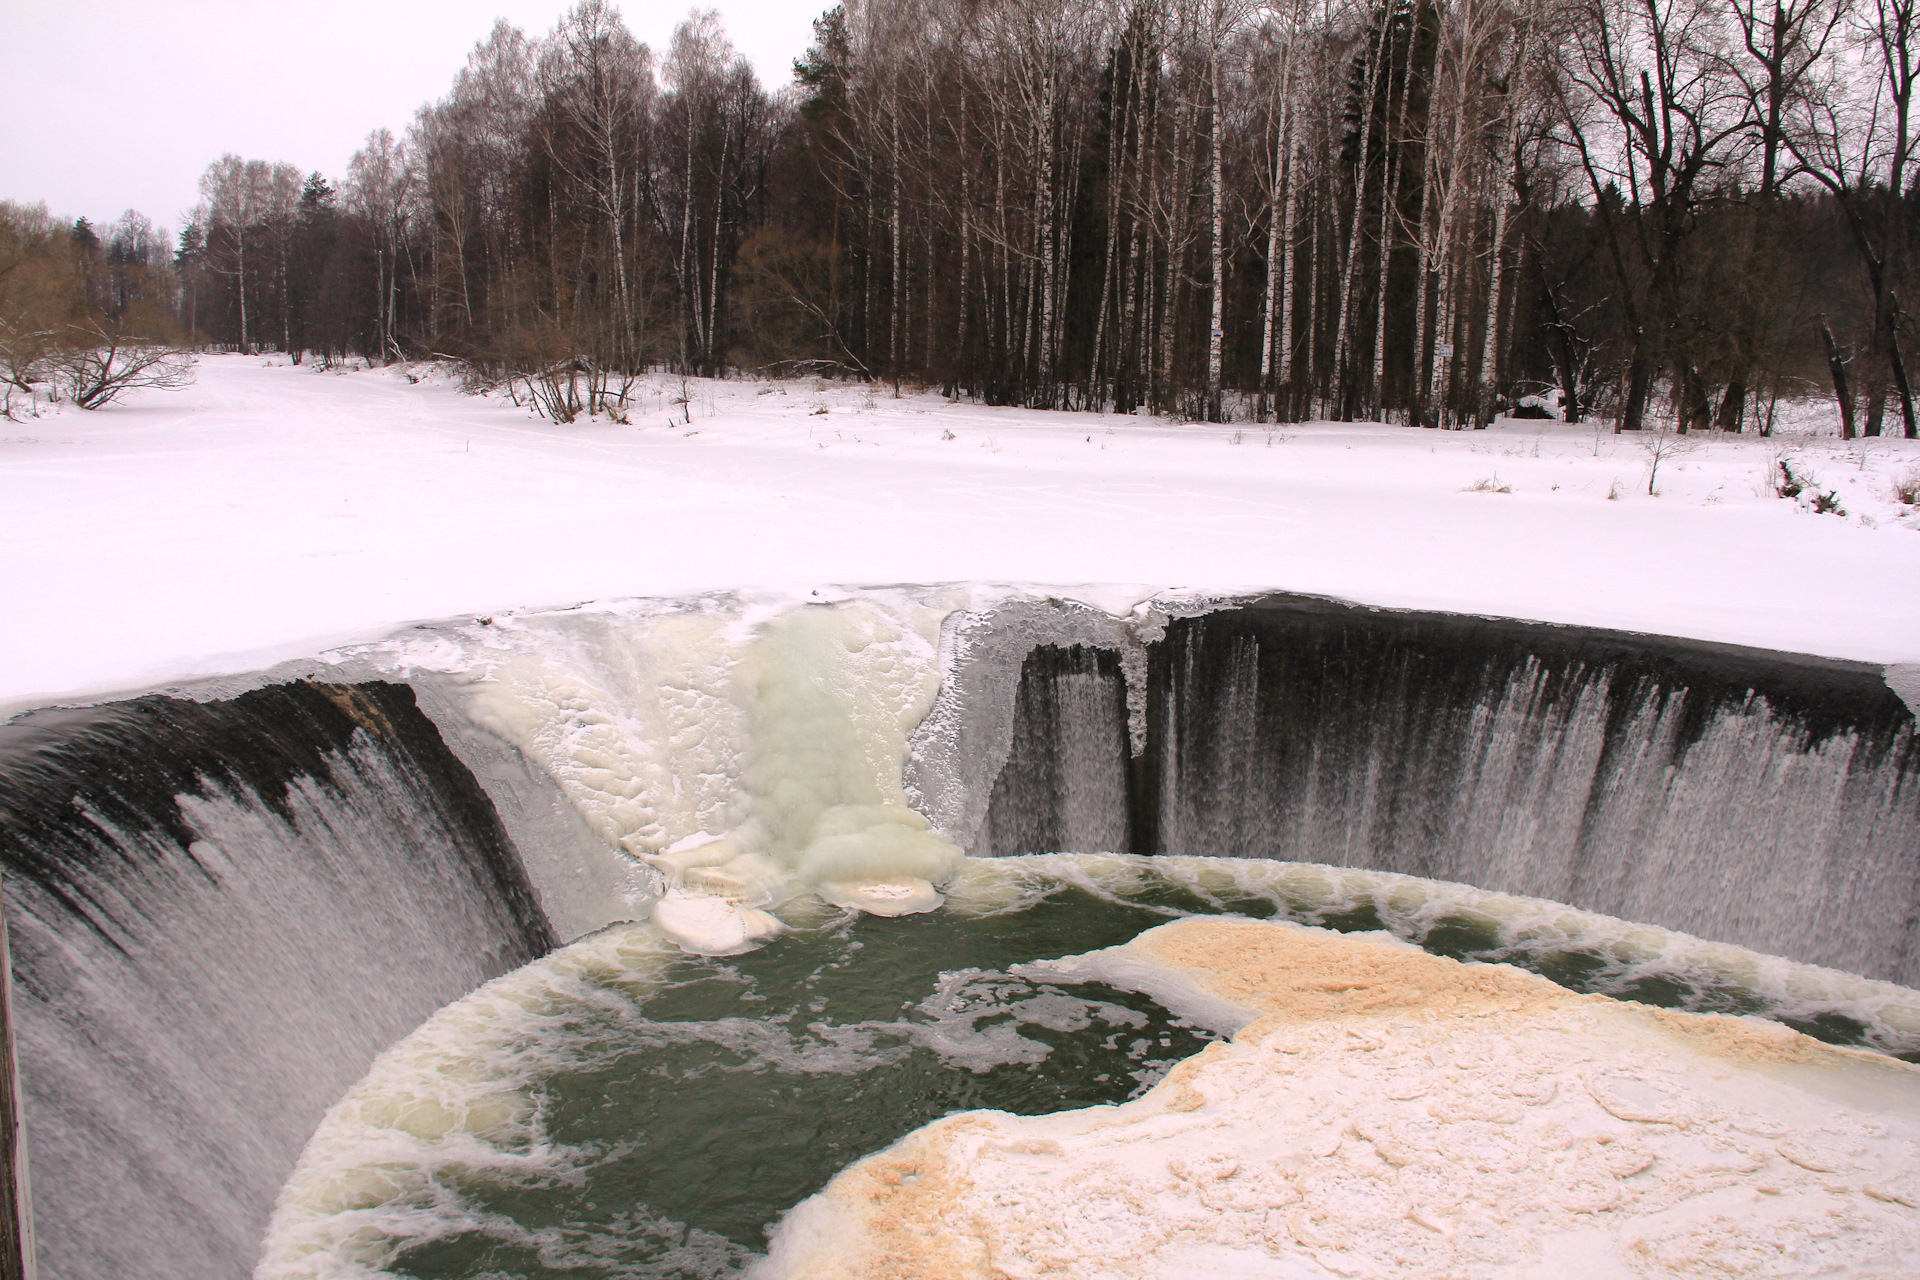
{"x":689,"y":270}
{"x":1315,"y":288}
{"x":896,"y":302}
{"x":240,"y":273}
{"x":1216,"y":333}
{"x":1049,"y":266}
{"x":1279,"y":228}
{"x":1445,"y":253}
{"x":1490,"y":340}
{"x":1350,"y":268}
{"x":1176,"y":252}
{"x":964,"y":294}
{"x":708,"y":356}
{"x":1376,"y":383}
{"x":1422,"y":287}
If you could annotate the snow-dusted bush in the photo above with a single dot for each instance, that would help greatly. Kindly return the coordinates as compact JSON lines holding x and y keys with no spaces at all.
{"x":1906,"y":488}
{"x":1802,"y":487}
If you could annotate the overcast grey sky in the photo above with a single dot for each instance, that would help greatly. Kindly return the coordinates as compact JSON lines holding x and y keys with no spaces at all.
{"x":107,"y":105}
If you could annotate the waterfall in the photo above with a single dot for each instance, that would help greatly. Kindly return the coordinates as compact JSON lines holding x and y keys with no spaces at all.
{"x":1065,"y":784}
{"x":220,"y":913}
{"x":1766,"y":800}
{"x":222,"y":910}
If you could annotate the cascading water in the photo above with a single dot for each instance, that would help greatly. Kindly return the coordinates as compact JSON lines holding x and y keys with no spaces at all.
{"x":219,"y":913}
{"x":767,"y":763}
{"x":1758,"y":799}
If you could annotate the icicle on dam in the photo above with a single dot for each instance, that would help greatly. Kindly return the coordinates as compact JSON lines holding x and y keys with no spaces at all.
{"x":334,"y":895}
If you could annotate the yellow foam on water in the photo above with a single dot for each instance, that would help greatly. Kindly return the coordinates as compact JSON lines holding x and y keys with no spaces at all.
{"x":1385,"y":1112}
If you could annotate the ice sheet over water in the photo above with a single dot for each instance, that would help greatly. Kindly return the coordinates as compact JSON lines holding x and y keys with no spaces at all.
{"x":1581,"y":950}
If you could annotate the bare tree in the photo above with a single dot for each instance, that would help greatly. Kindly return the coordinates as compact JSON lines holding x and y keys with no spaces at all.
{"x":42,"y":292}
{"x":381,"y":188}
{"x":713,"y":131}
{"x":1855,"y":136}
{"x":101,"y":363}
{"x":598,"y":82}
{"x":1651,"y":111}
{"x":234,"y":192}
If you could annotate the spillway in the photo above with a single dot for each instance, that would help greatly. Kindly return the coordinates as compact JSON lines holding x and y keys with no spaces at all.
{"x":227,"y":902}
{"x":1762,"y":799}
{"x":219,"y":912}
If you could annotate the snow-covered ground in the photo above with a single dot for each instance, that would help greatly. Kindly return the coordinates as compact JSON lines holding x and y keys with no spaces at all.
{"x":272,"y":511}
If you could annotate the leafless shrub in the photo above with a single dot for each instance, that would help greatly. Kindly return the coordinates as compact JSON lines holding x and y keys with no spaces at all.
{"x":24,"y":362}
{"x":1906,"y":487}
{"x":1660,"y":445}
{"x":555,"y":393}
{"x":95,"y":374}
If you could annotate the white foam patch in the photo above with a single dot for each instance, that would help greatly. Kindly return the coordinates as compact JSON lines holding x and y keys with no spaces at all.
{"x":1395,"y":1113}
{"x":713,"y":926}
{"x":1177,"y":992}
{"x":898,"y":897}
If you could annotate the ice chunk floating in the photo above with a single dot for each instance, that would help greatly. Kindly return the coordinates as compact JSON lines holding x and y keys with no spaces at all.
{"x":803,"y":854}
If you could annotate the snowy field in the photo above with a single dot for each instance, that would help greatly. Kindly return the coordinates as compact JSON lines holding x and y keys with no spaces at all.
{"x":273,"y":511}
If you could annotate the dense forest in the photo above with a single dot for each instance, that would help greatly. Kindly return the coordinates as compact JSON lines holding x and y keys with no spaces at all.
{"x":1649,"y":212}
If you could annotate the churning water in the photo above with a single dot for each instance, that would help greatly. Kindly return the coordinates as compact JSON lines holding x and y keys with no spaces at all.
{"x":621,"y":1109}
{"x":225,"y":909}
{"x":624,"y":1109}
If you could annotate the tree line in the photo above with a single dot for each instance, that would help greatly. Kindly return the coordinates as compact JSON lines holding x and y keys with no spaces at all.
{"x":1670,"y":212}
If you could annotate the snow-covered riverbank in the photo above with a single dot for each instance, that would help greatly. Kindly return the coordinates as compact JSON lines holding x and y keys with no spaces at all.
{"x":271,"y":511}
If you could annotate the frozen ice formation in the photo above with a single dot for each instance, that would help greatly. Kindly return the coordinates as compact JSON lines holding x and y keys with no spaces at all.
{"x":711,"y":925}
{"x":1385,"y":1112}
{"x":750,"y":751}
